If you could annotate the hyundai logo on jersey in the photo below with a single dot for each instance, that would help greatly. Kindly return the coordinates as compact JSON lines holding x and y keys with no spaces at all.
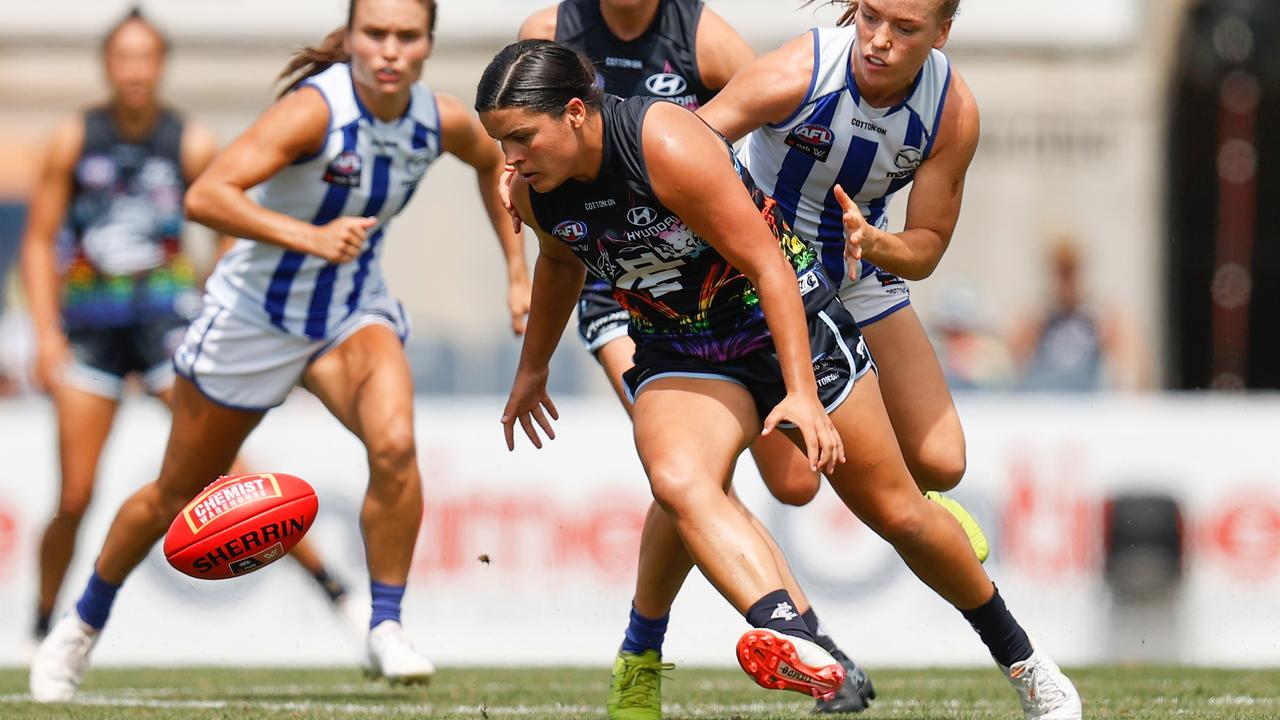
{"x":344,"y":170}
{"x":813,"y":140}
{"x":571,"y":231}
{"x":665,"y":84}
{"x":641,"y":216}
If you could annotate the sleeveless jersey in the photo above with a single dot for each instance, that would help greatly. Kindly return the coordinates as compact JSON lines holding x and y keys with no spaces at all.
{"x":124,"y":264}
{"x":1068,"y":355}
{"x":661,"y":63}
{"x":834,"y":137}
{"x":679,"y":292}
{"x":366,"y":168}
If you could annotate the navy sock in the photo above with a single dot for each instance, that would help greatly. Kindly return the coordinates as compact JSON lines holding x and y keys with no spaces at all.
{"x":95,"y":604}
{"x":820,"y":635}
{"x":386,"y":602}
{"x":776,"y":611}
{"x":331,"y":586}
{"x":1002,"y":635}
{"x":644,"y":633}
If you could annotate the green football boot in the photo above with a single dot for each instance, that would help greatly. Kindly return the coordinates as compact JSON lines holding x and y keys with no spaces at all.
{"x":977,"y":538}
{"x":635,"y":691}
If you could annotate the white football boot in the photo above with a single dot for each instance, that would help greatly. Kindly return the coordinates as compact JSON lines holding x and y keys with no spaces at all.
{"x":59,"y":664}
{"x":1046,"y":693}
{"x":392,"y":656}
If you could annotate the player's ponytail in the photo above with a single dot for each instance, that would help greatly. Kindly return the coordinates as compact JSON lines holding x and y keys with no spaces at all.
{"x":314,"y":60}
{"x":538,"y":75}
{"x":332,"y":50}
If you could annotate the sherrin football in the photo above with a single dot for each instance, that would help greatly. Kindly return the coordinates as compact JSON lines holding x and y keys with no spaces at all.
{"x":240,"y":523}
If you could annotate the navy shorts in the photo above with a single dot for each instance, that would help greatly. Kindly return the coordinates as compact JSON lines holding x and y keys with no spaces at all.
{"x":601,"y":320}
{"x":840,"y":357}
{"x":103,"y":357}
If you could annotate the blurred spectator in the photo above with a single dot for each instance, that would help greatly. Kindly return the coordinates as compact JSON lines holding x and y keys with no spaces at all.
{"x":1075,"y":345}
{"x":972,"y":357}
{"x":12,"y":321}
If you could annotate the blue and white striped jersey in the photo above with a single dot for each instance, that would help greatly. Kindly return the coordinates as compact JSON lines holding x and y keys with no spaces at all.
{"x":834,"y":137}
{"x":367,"y":168}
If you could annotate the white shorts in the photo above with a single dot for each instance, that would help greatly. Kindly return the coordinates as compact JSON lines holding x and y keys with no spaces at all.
{"x":875,"y":295}
{"x":241,"y":364}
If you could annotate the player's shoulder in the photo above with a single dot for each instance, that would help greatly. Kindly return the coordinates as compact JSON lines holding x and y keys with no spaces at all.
{"x":541,"y":25}
{"x":960,"y":124}
{"x":66,"y":141}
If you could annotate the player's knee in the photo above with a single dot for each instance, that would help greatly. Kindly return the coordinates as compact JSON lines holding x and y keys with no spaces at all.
{"x":73,"y":506}
{"x":796,"y":491}
{"x":673,"y":487}
{"x":897,"y":523}
{"x":392,"y":452}
{"x":939,"y":466}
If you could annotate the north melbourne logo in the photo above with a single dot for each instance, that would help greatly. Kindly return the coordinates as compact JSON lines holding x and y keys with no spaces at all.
{"x":641,"y":216}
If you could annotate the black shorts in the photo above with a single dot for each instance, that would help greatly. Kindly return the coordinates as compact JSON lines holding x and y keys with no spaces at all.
{"x":840,"y":357}
{"x":103,"y":357}
{"x":601,"y":320}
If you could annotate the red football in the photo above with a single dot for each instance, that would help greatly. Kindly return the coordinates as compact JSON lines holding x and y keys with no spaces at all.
{"x":240,"y":523}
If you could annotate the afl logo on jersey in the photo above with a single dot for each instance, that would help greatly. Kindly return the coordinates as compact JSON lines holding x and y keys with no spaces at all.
{"x":344,"y":170}
{"x":813,"y":140}
{"x":641,"y":216}
{"x":665,"y":84}
{"x":570,"y":231}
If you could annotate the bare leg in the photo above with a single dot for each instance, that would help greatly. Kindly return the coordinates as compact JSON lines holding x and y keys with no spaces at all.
{"x":84,"y":421}
{"x":365,"y":383}
{"x":917,"y":400}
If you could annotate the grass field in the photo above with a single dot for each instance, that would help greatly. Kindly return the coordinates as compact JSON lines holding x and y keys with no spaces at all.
{"x":1140,"y":693}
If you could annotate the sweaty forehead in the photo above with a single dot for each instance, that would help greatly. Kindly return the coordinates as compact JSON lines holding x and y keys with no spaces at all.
{"x":911,"y":10}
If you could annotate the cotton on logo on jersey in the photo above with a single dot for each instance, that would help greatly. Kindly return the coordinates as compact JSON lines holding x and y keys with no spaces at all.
{"x":813,"y":140}
{"x":344,"y":170}
{"x":223,"y":496}
{"x":570,"y":231}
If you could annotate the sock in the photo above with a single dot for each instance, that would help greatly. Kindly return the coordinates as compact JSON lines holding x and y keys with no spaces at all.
{"x":43,"y":620}
{"x":776,"y":611}
{"x":820,"y":636}
{"x":331,"y":586}
{"x":386,"y":602}
{"x":1002,"y":635}
{"x":95,"y":604}
{"x":644,"y":633}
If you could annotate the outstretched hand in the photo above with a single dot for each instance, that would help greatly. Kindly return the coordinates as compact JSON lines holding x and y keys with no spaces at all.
{"x":527,"y":404}
{"x":858,"y":234}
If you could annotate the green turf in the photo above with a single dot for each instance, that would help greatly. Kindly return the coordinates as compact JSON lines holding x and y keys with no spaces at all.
{"x":1139,"y":693}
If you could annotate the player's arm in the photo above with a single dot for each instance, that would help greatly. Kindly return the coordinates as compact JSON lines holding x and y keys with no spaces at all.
{"x":557,"y":281}
{"x":295,"y":126}
{"x":540,"y":25}
{"x":720,"y":50}
{"x":769,"y":89}
{"x":692,"y":175}
{"x":464,"y":137}
{"x":40,"y":276}
{"x":933,"y":207}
